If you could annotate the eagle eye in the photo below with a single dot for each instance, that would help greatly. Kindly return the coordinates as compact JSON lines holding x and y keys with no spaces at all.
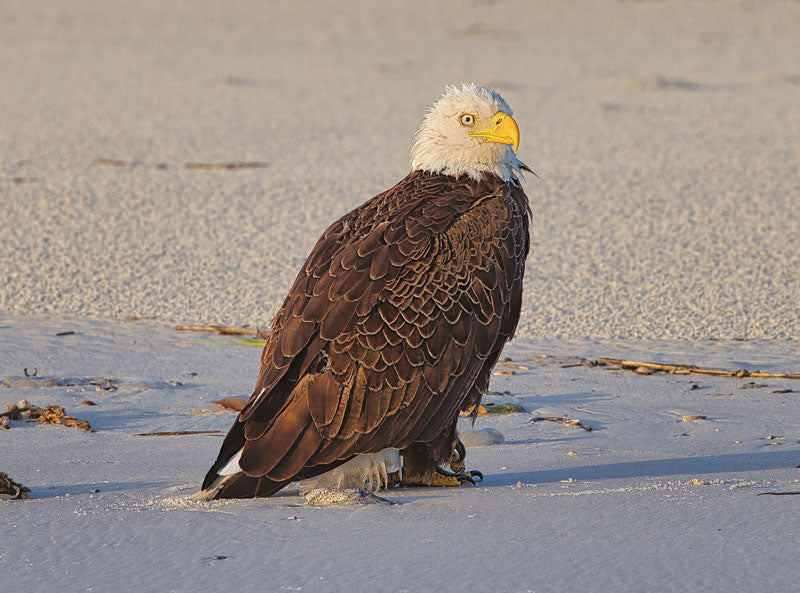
{"x":467,"y":119}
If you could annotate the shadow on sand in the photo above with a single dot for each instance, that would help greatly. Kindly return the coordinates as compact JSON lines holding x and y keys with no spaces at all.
{"x":677,"y":466}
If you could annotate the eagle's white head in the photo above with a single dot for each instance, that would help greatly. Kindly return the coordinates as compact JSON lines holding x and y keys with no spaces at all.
{"x":468,"y":131}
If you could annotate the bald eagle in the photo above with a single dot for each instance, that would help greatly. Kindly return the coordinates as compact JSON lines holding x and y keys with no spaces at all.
{"x":396,"y":319}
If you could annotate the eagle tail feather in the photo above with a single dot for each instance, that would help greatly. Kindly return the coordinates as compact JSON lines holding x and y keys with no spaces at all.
{"x":239,"y":485}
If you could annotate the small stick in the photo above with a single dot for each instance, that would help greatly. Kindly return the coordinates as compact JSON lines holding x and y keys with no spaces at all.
{"x":111,"y":163}
{"x":518,"y":367}
{"x":224,"y":330}
{"x":563,"y":420}
{"x":226,"y":166}
{"x":176,"y":433}
{"x":778,"y":493}
{"x":687,"y":369}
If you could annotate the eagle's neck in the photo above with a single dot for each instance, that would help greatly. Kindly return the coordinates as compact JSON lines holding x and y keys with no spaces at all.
{"x":436,"y":155}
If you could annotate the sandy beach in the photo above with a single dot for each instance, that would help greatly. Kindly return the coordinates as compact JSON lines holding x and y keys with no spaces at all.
{"x":164,"y":164}
{"x":645,"y":501}
{"x":665,"y":135}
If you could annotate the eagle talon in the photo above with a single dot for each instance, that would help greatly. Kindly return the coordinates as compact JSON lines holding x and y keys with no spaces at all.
{"x":473,"y":477}
{"x":460,"y":450}
{"x":457,"y":457}
{"x":446,"y":472}
{"x":461,"y":475}
{"x":475,"y":474}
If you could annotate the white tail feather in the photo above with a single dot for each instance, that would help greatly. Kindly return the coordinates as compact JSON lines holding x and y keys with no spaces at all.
{"x":232,"y":467}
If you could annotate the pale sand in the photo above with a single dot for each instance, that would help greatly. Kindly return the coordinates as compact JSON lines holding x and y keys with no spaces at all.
{"x":665,"y":134}
{"x":643,"y":502}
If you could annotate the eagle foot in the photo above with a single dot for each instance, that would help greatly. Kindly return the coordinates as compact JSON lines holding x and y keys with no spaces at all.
{"x":438,"y":478}
{"x":421,"y":469}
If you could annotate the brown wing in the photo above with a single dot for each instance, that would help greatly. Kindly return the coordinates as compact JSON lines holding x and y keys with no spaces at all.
{"x":390,"y":329}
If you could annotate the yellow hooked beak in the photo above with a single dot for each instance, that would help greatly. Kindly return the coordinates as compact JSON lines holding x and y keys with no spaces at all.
{"x":502,"y":129}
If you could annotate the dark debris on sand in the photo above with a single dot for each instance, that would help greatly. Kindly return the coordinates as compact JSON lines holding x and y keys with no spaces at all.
{"x":51,"y":414}
{"x":10,"y":490}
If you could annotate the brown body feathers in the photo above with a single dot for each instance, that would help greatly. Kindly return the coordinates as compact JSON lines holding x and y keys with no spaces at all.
{"x":389,"y":331}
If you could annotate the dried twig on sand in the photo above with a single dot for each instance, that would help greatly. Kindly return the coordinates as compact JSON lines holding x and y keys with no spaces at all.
{"x":688,"y":369}
{"x":226,"y":166}
{"x":34,"y":380}
{"x":225,"y":330}
{"x":176,"y":433}
{"x":511,"y":365}
{"x":10,"y":490}
{"x":48,"y":415}
{"x":233,"y":166}
{"x":563,"y":420}
{"x":489,"y":407}
{"x":111,"y":163}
